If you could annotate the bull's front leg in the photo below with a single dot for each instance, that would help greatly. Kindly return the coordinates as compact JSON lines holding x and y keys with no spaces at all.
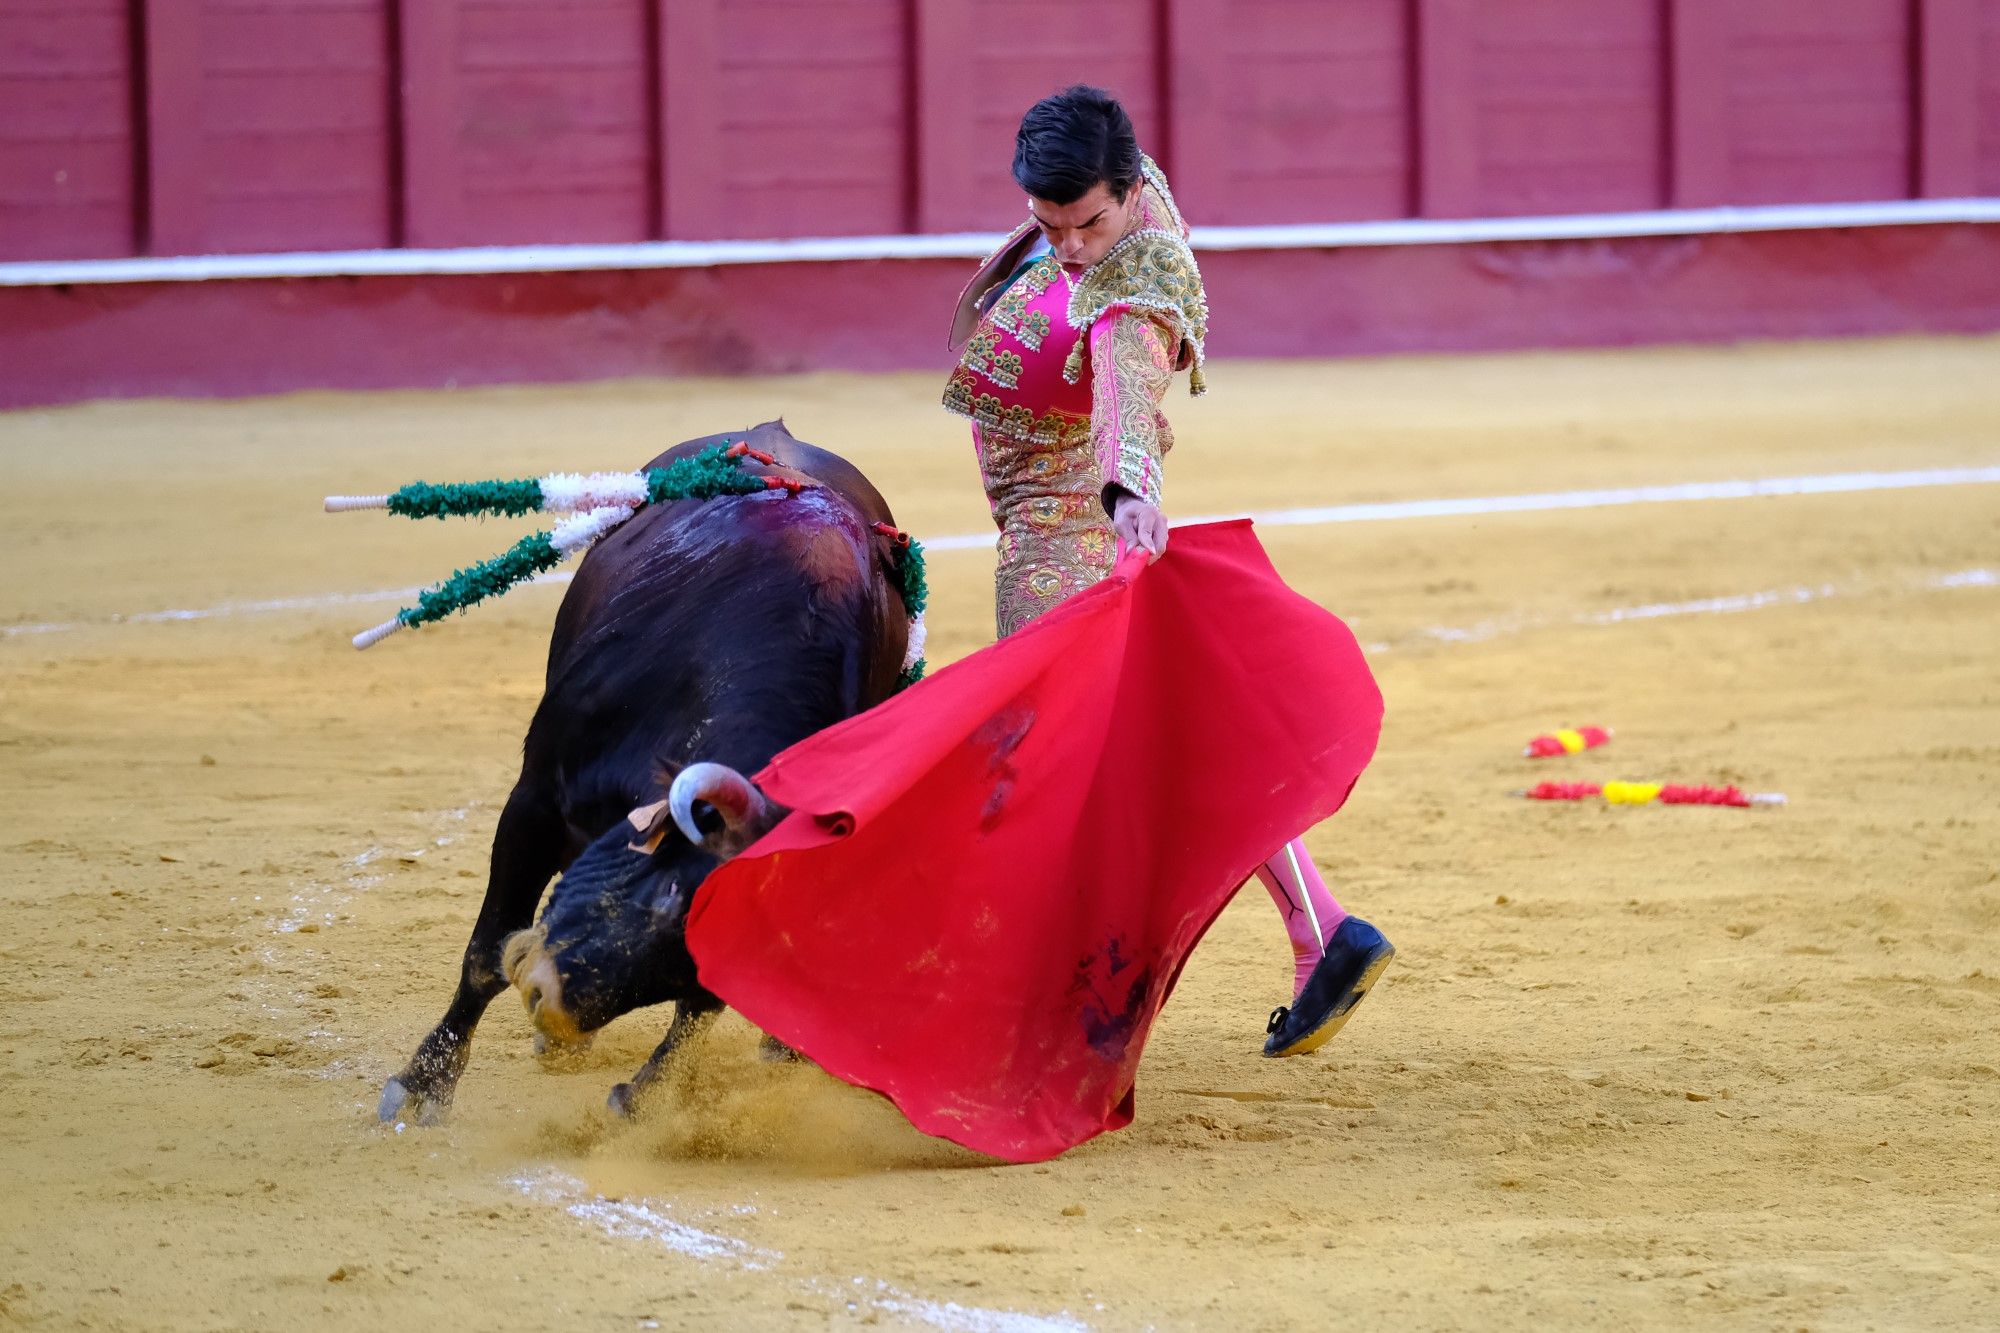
{"x":528,"y":846}
{"x":690,"y":1016}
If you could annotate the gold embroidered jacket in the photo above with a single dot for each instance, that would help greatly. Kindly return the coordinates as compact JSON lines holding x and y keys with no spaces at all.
{"x":1063,"y":378}
{"x":1120,"y":329}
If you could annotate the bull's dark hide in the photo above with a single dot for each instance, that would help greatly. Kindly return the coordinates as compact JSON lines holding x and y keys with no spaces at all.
{"x":721,"y":630}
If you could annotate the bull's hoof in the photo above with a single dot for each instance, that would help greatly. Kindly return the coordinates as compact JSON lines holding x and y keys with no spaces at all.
{"x":624,"y":1100}
{"x":402,"y":1105}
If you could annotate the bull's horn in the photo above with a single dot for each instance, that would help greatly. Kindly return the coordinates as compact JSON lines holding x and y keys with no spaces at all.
{"x":735,"y":798}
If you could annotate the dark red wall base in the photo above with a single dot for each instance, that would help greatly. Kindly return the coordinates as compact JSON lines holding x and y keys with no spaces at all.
{"x":64,"y":344}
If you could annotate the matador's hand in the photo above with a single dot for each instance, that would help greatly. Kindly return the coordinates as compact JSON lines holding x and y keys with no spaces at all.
{"x":1140,"y":524}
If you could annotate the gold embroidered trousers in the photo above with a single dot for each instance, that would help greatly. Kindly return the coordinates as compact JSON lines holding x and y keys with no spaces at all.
{"x":1055,"y":538}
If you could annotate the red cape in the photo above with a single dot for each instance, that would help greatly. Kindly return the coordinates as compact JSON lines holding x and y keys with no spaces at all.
{"x":988,"y":884}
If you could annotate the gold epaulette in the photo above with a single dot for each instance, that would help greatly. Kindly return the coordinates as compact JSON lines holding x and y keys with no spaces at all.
{"x":1154,"y":272}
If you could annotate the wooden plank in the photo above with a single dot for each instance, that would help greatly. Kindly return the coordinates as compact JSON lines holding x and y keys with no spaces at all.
{"x":432,"y":206}
{"x":549,"y":36}
{"x":289,"y":103}
{"x":294,"y":102}
{"x":1118,"y":51}
{"x":1822,"y":105}
{"x":824,"y":32}
{"x":656,"y":75}
{"x":1988,"y":95}
{"x":280,"y":222}
{"x":1446,"y":107}
{"x":1698,"y":103}
{"x":1947,"y":129}
{"x":61,"y":109}
{"x":296,"y":41}
{"x":55,"y":43}
{"x":1305,"y":111}
{"x":176,"y":203}
{"x":50,"y":175}
{"x":692,"y":159}
{"x":67,"y":170}
{"x":818,"y":96}
{"x":1789,"y":22}
{"x":1201,"y":131}
{"x":1569,"y":106}
{"x":547,"y":94}
{"x":943,"y":125}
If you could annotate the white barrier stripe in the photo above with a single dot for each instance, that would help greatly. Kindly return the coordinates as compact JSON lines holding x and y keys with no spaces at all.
{"x":977,"y":245}
{"x":1836,"y":483}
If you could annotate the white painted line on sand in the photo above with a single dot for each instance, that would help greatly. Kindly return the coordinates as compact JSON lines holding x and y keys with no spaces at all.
{"x":640,"y":1220}
{"x":1729,"y":605}
{"x":1476,"y":506}
{"x":1835,"y":483}
{"x":226,"y":609}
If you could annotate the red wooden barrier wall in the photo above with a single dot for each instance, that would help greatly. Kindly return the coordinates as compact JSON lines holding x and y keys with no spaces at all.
{"x":785,"y":118}
{"x":191,"y":126}
{"x":68,"y":157}
{"x":527,"y":121}
{"x":267,"y":126}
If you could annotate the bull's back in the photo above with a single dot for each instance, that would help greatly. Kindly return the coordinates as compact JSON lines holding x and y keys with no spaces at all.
{"x":823,"y":466}
{"x":607,"y":566}
{"x":723,"y":629}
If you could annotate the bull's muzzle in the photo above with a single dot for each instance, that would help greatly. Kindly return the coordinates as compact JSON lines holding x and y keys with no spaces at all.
{"x":526,"y":961}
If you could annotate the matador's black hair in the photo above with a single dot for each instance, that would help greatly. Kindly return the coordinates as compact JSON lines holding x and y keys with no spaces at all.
{"x":1070,"y":141}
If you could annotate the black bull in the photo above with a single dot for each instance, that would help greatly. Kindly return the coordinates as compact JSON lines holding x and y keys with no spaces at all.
{"x":700,"y":634}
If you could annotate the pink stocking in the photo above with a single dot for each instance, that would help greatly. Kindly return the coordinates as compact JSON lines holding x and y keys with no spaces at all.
{"x":1291,"y":891}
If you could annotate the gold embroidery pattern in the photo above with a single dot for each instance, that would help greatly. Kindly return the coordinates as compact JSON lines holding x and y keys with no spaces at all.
{"x":1043,"y":464}
{"x":1034,"y":330}
{"x":1131,"y":434}
{"x":1037,"y":572}
{"x":1156,"y":178}
{"x":1055,"y":539}
{"x":1152,"y":271}
{"x":979,"y":351}
{"x":1007,"y":310}
{"x":1006,"y":369}
{"x":962,"y":398}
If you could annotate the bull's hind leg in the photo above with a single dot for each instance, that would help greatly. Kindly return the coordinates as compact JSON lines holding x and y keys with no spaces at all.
{"x":690,"y":1016}
{"x":528,"y":847}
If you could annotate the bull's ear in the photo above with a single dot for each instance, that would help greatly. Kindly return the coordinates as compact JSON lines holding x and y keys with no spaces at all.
{"x":652,"y":823}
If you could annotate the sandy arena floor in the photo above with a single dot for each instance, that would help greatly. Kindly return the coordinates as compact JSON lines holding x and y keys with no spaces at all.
{"x":1632,"y":1067}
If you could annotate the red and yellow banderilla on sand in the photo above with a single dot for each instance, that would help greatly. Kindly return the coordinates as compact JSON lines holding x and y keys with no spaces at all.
{"x":1566,"y":740}
{"x":1650,"y":793}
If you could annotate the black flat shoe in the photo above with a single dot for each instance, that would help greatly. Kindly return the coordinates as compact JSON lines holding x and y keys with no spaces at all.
{"x":1355,"y":957}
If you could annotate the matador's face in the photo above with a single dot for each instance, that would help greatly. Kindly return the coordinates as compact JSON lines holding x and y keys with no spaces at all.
{"x":1083,"y":232}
